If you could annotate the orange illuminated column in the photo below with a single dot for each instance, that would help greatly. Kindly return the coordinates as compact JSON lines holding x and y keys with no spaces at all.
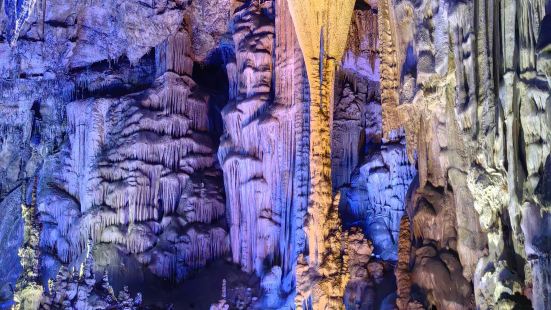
{"x":322,"y":30}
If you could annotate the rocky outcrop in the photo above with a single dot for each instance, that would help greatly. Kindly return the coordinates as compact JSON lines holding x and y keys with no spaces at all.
{"x":435,"y":252}
{"x":115,"y":124}
{"x":254,"y":225}
{"x":139,"y":175}
{"x":359,"y":253}
{"x":372,"y":172}
{"x":81,"y":290}
{"x":375,"y":199}
{"x":28,"y":291}
{"x":11,"y":225}
{"x":465,"y":101}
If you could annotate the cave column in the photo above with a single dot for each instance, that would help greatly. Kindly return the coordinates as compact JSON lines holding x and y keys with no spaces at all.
{"x":322,"y":30}
{"x":320,"y":198}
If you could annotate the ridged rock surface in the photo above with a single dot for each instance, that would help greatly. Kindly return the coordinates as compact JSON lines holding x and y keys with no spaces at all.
{"x":300,"y":154}
{"x":138,"y":173}
{"x":474,"y":100}
{"x":100,"y":101}
{"x":264,"y":147}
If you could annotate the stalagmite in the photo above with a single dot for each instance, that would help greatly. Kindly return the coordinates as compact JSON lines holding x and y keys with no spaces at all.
{"x":389,"y":67}
{"x":359,"y":251}
{"x":28,"y":291}
{"x":403,"y":277}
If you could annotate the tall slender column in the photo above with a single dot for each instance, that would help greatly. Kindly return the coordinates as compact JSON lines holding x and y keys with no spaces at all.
{"x":322,"y":30}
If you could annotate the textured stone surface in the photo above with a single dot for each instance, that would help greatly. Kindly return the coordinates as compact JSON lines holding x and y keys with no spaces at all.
{"x":357,"y":154}
{"x":138,"y":172}
{"x":115,"y":126}
{"x":322,"y":31}
{"x":264,"y":147}
{"x":11,"y":239}
{"x":468,"y":107}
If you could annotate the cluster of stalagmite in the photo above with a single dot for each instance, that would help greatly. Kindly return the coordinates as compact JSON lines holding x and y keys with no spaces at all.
{"x":28,"y":290}
{"x":79,"y":289}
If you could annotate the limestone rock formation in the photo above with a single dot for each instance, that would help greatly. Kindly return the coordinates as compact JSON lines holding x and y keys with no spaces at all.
{"x":80,"y":290}
{"x":12,"y":227}
{"x":28,"y":291}
{"x":331,"y":20}
{"x":139,"y":175}
{"x":264,"y":148}
{"x":302,"y":154}
{"x":116,"y":76}
{"x":359,"y":253}
{"x":469,"y":82}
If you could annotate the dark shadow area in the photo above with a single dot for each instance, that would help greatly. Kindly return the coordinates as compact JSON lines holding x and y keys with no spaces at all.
{"x":212,"y":77}
{"x":114,"y":78}
{"x":201,"y":289}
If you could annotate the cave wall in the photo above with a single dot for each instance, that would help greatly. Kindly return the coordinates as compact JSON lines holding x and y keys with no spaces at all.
{"x":470,"y":76}
{"x":103,"y":102}
{"x":138,"y":174}
{"x":177,"y":133}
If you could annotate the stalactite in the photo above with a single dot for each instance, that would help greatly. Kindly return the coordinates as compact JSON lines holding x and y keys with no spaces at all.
{"x":139,"y":159}
{"x":114,"y":109}
{"x":389,"y":67}
{"x":18,"y":13}
{"x":173,"y":55}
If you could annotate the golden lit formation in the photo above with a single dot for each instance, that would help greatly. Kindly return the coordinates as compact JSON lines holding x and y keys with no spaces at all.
{"x":322,"y":30}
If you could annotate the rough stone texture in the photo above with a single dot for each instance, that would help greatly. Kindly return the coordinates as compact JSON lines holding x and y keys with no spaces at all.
{"x":138,"y":172}
{"x":331,"y":20}
{"x":435,"y":252}
{"x":264,"y":147}
{"x":254,"y":225}
{"x":402,"y":272}
{"x":372,"y":173}
{"x":473,"y":99}
{"x":117,"y":107}
{"x":11,"y":226}
{"x":81,"y":290}
{"x":377,"y":194}
{"x":100,"y":101}
{"x":359,"y":252}
{"x":28,"y":291}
